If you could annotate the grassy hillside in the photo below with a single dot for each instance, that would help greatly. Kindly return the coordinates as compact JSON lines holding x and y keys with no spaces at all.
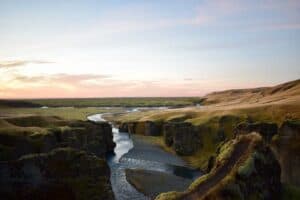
{"x":283,"y":93}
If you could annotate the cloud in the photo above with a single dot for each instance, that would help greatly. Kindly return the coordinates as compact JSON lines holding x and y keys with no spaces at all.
{"x":71,"y":79}
{"x":18,"y":63}
{"x":98,"y":85}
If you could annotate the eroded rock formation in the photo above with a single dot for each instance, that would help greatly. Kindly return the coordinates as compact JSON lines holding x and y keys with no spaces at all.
{"x":63,"y":173}
{"x":245,"y":168}
{"x":287,"y":148}
{"x":266,"y":130}
{"x":49,"y":158}
{"x":183,"y":137}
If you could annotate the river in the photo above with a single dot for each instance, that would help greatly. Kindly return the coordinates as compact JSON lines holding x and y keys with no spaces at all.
{"x":135,"y":152}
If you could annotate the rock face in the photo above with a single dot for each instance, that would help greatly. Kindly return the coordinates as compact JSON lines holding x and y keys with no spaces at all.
{"x":129,"y":127}
{"x":286,"y":145}
{"x":266,"y":130}
{"x":287,"y":149}
{"x":48,"y":158}
{"x":149,"y":128}
{"x":255,"y":175}
{"x":123,"y":127}
{"x":259,"y":173}
{"x":153,"y":128}
{"x":245,"y":168}
{"x":182,"y":137}
{"x":97,"y":138}
{"x":63,"y":173}
{"x":93,"y":137}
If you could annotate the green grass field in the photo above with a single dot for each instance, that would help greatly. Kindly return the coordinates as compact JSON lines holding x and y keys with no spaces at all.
{"x":104,"y":102}
{"x":66,"y":113}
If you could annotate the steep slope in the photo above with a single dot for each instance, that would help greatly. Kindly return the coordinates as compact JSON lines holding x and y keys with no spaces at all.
{"x":244,"y":169}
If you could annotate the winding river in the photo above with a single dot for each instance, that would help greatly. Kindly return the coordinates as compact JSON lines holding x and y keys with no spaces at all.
{"x":135,"y":152}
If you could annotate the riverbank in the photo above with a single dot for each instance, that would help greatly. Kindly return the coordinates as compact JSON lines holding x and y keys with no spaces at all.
{"x":151,"y":170}
{"x":156,"y":170}
{"x":134,"y":152}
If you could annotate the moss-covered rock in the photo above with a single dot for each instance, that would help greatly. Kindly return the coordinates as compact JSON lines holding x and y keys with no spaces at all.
{"x":182,"y":136}
{"x":265,"y":129}
{"x":153,"y":128}
{"x":63,"y":173}
{"x":245,"y":168}
{"x":16,"y":140}
{"x":287,"y":148}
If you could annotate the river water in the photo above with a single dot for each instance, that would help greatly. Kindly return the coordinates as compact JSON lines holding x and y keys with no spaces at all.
{"x":134,"y":152}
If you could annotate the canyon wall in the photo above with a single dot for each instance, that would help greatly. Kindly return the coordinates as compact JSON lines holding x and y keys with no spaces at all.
{"x":46,"y":158}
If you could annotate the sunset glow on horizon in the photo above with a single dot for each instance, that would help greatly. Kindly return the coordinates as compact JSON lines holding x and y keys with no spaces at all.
{"x":131,"y":48}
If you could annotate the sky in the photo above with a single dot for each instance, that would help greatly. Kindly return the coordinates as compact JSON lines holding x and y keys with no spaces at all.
{"x":118,"y":48}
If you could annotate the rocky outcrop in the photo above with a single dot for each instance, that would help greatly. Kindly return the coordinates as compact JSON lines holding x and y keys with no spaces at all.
{"x":285,"y":143}
{"x":96,"y":138}
{"x":287,"y":149}
{"x":45,"y":158}
{"x":129,"y":127}
{"x":93,"y":137}
{"x":153,"y":128}
{"x":183,"y":137}
{"x":63,"y":173}
{"x":245,"y":168}
{"x":148,"y":128}
{"x":266,"y":130}
{"x":123,"y":127}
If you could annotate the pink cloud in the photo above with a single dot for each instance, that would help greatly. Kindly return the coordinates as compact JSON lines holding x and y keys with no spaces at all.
{"x":71,"y":79}
{"x":18,"y":63}
{"x":65,"y":86}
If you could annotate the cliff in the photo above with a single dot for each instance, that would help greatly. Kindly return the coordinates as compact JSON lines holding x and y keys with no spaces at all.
{"x":287,"y":149}
{"x":197,"y":143}
{"x":63,"y":173}
{"x":34,"y":134}
{"x":245,"y":168}
{"x":51,"y":158}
